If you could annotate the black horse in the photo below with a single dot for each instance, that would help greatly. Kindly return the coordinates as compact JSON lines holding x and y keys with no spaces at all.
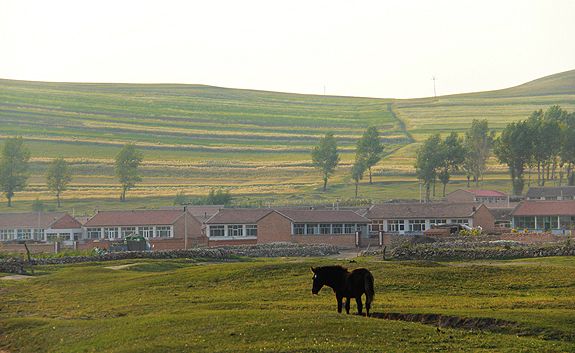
{"x":345,"y":284}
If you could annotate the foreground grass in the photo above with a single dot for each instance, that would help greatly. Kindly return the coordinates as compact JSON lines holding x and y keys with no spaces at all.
{"x":266,"y":305}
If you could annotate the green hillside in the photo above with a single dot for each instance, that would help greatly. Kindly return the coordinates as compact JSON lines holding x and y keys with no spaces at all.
{"x":255,"y":143}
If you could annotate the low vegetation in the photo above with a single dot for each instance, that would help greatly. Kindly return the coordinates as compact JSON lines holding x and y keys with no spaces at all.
{"x":267,"y":305}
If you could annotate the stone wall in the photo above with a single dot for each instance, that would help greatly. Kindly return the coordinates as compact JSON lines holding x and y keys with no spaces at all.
{"x":18,"y":265}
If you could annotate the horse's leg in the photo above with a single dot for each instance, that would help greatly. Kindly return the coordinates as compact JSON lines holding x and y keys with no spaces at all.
{"x":359,"y":305}
{"x":347,"y":303}
{"x":339,"y":304}
{"x":368,"y":300}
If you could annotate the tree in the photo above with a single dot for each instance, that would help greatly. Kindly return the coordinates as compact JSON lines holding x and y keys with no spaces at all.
{"x":357,"y":171}
{"x":428,"y":159}
{"x":478,"y":143}
{"x":325,"y":157}
{"x":370,"y":148}
{"x":127,"y":163}
{"x":14,"y":167}
{"x":58,"y":177}
{"x":568,"y":148}
{"x":452,"y":157}
{"x":512,"y":148}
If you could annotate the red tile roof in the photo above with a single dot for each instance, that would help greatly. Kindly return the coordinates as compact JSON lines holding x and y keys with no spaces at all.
{"x":545,"y":208}
{"x":134,"y":218}
{"x":422,"y":210}
{"x":487,"y":193}
{"x":67,"y":222}
{"x":239,"y":215}
{"x":322,"y":216}
{"x":29,"y":219}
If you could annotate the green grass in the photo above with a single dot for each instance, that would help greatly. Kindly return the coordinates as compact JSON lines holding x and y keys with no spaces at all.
{"x":266,"y":305}
{"x":256,"y":144}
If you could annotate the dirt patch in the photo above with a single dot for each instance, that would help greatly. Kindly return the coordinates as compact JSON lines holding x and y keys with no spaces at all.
{"x":480,"y":324}
{"x":15,"y":278}
{"x":120,"y":267}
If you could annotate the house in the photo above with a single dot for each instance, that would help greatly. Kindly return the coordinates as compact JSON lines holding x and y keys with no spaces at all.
{"x":174,"y":229}
{"x":39,"y":226}
{"x":556,"y":216}
{"x":551,"y":193}
{"x":251,"y":226}
{"x":415,"y":218}
{"x":488,"y":197}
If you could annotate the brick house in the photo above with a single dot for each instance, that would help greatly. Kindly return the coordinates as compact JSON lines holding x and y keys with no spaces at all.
{"x":251,"y":226}
{"x":415,"y":218}
{"x":39,"y":226}
{"x":165,"y":229}
{"x":556,"y":216}
{"x":490,"y":198}
{"x":551,"y":193}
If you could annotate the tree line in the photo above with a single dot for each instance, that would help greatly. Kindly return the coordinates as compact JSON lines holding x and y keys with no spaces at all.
{"x":15,"y":165}
{"x":544,"y":142}
{"x":369,"y":151}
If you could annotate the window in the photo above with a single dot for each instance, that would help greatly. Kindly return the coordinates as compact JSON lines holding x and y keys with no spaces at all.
{"x":110,"y":233}
{"x":128,"y":231}
{"x":23,"y":234}
{"x":93,"y":233}
{"x":252,"y":230}
{"x":395,"y":225}
{"x":524,"y":222}
{"x":6,"y":234}
{"x":312,"y":229}
{"x":38,"y":234}
{"x":349,"y":228}
{"x":377,"y":225}
{"x":217,"y":231}
{"x":548,"y":223}
{"x":299,"y":229}
{"x":461,"y":221}
{"x":325,"y":228}
{"x":567,"y":222}
{"x":236,"y":230}
{"x":416,"y":225}
{"x":146,"y":232}
{"x":337,"y":228}
{"x":437,"y":221}
{"x":164,"y":231}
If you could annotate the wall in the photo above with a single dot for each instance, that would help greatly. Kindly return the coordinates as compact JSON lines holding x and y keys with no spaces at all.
{"x":34,"y":248}
{"x":344,"y":240}
{"x":195,"y":234}
{"x":484,"y":218}
{"x":232,"y":242}
{"x":274,"y":228}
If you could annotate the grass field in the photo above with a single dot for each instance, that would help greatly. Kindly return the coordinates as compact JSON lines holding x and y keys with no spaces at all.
{"x":266,"y":305}
{"x":256,"y":144}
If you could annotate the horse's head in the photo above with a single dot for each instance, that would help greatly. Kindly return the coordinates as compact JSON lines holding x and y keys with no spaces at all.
{"x":318,"y":281}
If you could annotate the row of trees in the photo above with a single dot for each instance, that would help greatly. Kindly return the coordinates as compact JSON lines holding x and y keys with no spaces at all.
{"x":438,"y":159}
{"x":15,"y":165}
{"x":545,"y":141}
{"x":369,"y":151}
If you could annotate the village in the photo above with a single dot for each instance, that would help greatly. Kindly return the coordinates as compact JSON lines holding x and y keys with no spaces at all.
{"x":543,"y":211}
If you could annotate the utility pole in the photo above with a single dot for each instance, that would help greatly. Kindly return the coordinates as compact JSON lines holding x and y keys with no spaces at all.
{"x":185,"y":229}
{"x":434,"y":92}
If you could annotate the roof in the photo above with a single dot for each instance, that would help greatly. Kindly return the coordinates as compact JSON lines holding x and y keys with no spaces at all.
{"x":134,"y":218}
{"x":486,"y":193}
{"x":423,"y":210}
{"x":545,"y":208}
{"x":501,"y":214}
{"x":322,"y":216}
{"x":238,"y":215}
{"x":201,"y":212}
{"x":67,"y":222}
{"x":29,"y":219}
{"x":538,"y":192}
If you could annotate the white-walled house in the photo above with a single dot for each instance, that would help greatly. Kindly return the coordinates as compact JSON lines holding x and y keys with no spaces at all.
{"x":39,"y":226}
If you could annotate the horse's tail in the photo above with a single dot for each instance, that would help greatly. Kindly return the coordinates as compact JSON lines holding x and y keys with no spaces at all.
{"x":369,"y":288}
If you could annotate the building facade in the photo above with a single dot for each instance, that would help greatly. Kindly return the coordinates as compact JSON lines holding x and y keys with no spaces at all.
{"x":551,"y":193}
{"x":490,"y":198}
{"x":555,"y":216}
{"x":39,"y":226}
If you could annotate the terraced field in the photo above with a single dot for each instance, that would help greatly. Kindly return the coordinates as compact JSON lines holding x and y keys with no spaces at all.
{"x":255,"y":143}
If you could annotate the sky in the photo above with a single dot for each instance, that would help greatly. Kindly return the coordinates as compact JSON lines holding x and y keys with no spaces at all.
{"x":389,"y":49}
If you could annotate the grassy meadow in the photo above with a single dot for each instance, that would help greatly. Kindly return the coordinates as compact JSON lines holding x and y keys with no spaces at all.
{"x":266,"y":305}
{"x":255,"y":144}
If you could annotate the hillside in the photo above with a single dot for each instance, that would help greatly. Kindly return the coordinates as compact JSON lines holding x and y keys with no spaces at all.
{"x":255,"y":143}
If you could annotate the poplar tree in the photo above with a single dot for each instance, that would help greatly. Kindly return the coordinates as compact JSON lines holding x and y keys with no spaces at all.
{"x":14,"y":167}
{"x":325,"y":157}
{"x":127,"y":163}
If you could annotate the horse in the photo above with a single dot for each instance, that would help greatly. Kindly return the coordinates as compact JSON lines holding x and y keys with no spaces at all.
{"x":345,"y":284}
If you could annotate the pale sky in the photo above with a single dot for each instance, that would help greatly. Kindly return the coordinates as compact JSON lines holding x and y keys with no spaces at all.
{"x":360,"y":48}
